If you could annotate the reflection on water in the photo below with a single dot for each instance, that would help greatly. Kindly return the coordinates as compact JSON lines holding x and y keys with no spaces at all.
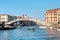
{"x":5,"y":35}
{"x":23,"y":34}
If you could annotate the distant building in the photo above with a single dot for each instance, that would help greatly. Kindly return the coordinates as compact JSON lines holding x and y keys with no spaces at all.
{"x":24,"y":16}
{"x":18,"y":17}
{"x":21,"y":17}
{"x":6,"y":17}
{"x":53,"y":16}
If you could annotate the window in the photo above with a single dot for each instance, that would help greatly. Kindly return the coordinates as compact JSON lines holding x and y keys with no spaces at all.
{"x":47,"y":17}
{"x":50,"y":17}
{"x":55,"y":14}
{"x":47,"y":14}
{"x":55,"y":17}
{"x":51,"y":14}
{"x":3,"y":18}
{"x":51,"y":20}
{"x":54,"y":20}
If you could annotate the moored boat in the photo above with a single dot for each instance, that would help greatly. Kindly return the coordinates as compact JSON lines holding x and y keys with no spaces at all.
{"x":42,"y":27}
{"x":31,"y":28}
{"x":58,"y":29}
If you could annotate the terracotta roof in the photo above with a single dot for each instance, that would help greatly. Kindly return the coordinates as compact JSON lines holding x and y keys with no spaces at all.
{"x":52,"y":10}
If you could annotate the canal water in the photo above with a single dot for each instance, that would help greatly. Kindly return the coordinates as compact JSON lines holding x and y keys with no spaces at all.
{"x":22,"y":33}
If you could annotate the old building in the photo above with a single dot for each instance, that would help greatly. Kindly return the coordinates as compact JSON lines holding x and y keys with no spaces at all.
{"x":21,"y":17}
{"x":6,"y":17}
{"x":53,"y":16}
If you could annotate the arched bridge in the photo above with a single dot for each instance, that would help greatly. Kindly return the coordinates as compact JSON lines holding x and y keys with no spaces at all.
{"x":36,"y":21}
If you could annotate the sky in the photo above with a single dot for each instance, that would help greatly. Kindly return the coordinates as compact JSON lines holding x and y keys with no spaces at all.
{"x":32,"y":8}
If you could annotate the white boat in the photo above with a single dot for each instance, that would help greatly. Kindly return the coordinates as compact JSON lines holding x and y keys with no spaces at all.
{"x":42,"y":27}
{"x":58,"y":29}
{"x":51,"y":28}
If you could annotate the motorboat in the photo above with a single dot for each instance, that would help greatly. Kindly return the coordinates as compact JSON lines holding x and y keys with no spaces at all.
{"x":9,"y":27}
{"x":42,"y":27}
{"x":31,"y":28}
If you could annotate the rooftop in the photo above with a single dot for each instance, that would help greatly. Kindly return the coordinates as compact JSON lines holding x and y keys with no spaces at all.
{"x":53,"y":10}
{"x":4,"y":14}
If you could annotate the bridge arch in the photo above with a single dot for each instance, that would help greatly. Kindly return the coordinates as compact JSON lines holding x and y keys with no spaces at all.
{"x":38,"y":22}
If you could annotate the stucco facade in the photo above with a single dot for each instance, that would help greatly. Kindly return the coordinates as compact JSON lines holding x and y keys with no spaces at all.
{"x":53,"y":16}
{"x":6,"y":17}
